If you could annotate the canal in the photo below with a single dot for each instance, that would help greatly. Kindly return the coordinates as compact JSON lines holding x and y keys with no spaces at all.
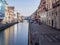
{"x":15,"y":35}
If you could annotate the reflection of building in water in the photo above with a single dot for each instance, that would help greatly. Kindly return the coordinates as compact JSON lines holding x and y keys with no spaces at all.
{"x":8,"y":35}
{"x":2,"y":38}
{"x":14,"y":35}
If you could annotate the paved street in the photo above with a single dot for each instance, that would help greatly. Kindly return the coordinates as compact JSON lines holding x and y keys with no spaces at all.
{"x":43,"y":35}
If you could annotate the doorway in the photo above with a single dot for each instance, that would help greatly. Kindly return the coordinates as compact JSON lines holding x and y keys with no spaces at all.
{"x":52,"y":23}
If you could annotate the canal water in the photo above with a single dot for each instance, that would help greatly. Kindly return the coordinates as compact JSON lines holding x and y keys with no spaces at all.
{"x":15,"y":35}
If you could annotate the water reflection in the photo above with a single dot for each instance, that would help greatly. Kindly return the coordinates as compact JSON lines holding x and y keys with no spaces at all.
{"x":15,"y":35}
{"x":6,"y":36}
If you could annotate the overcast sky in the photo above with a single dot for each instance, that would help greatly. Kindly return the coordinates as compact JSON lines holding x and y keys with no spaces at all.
{"x":25,"y":7}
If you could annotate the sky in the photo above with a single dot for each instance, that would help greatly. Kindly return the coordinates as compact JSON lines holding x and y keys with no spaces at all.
{"x":25,"y":7}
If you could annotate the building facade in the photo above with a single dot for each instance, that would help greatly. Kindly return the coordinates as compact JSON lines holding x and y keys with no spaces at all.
{"x":11,"y":14}
{"x":6,"y":14}
{"x":53,"y":14}
{"x":34,"y":15}
{"x":2,"y":9}
{"x":41,"y":11}
{"x":48,"y":11}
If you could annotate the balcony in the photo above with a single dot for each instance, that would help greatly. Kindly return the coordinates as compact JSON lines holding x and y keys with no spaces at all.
{"x":56,"y":4}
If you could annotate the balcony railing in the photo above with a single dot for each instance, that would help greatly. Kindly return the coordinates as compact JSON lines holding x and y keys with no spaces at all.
{"x":56,"y":4}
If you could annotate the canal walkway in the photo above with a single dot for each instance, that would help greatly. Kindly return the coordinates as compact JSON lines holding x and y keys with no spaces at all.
{"x":43,"y":35}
